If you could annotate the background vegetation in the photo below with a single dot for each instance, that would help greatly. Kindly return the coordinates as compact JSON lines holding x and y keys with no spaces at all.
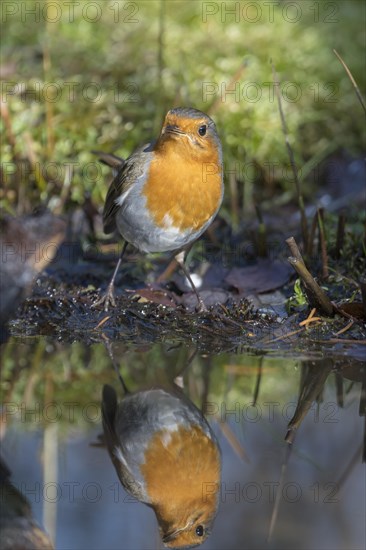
{"x":101,"y":75}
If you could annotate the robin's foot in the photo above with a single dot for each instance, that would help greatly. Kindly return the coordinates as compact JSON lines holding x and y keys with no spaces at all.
{"x":106,"y":299}
{"x":200,"y":307}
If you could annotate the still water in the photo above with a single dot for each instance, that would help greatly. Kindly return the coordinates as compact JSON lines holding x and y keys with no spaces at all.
{"x":308,"y":494}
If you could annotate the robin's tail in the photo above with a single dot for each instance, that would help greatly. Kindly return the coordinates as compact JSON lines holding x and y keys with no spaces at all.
{"x":109,"y":410}
{"x":110,"y":160}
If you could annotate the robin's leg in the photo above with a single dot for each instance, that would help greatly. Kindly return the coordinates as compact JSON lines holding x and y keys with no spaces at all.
{"x":180,"y":260}
{"x":108,"y":297}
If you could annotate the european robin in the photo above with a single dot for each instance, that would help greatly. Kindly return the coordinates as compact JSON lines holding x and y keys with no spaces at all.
{"x":167,"y":456}
{"x":166,"y":194}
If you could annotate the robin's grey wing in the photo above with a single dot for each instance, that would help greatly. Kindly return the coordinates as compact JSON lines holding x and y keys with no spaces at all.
{"x":127,"y":175}
{"x":126,"y":477}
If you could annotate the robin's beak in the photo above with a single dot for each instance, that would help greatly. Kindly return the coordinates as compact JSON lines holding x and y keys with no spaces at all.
{"x":169,"y":539}
{"x":171,"y":536}
{"x":172,"y":129}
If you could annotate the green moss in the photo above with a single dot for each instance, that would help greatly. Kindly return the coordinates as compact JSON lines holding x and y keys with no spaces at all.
{"x":111,"y":90}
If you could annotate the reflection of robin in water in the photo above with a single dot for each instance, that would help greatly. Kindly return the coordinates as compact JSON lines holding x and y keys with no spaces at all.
{"x":167,"y":193}
{"x":166,"y":456}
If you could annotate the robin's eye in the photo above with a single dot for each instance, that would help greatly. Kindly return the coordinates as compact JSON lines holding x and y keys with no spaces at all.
{"x":199,"y":531}
{"x":202,"y":130}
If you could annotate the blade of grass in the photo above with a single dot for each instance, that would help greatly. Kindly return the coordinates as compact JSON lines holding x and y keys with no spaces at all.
{"x":300,"y":199}
{"x":354,"y":83}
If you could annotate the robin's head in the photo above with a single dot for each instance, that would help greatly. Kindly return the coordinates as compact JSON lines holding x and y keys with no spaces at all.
{"x":191,"y":132}
{"x":182,"y":472}
{"x":192,"y":529}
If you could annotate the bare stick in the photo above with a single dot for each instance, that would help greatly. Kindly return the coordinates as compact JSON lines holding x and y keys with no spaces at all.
{"x":316,"y":296}
{"x":47,"y":67}
{"x":354,"y":83}
{"x":233,"y":440}
{"x":218,"y":102}
{"x":279,"y":493}
{"x":355,"y":460}
{"x":323,"y":244}
{"x":234,"y":199}
{"x":258,"y":381}
{"x":304,"y":225}
{"x":340,"y":235}
{"x":312,"y":387}
{"x":160,"y":64}
{"x":340,"y":389}
{"x":363,"y":294}
{"x":294,"y":249}
{"x":310,"y":246}
{"x":8,"y":129}
{"x":261,"y":237}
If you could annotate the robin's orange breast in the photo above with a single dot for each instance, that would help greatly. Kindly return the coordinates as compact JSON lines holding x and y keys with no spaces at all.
{"x":179,"y":473}
{"x":181,"y":191}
